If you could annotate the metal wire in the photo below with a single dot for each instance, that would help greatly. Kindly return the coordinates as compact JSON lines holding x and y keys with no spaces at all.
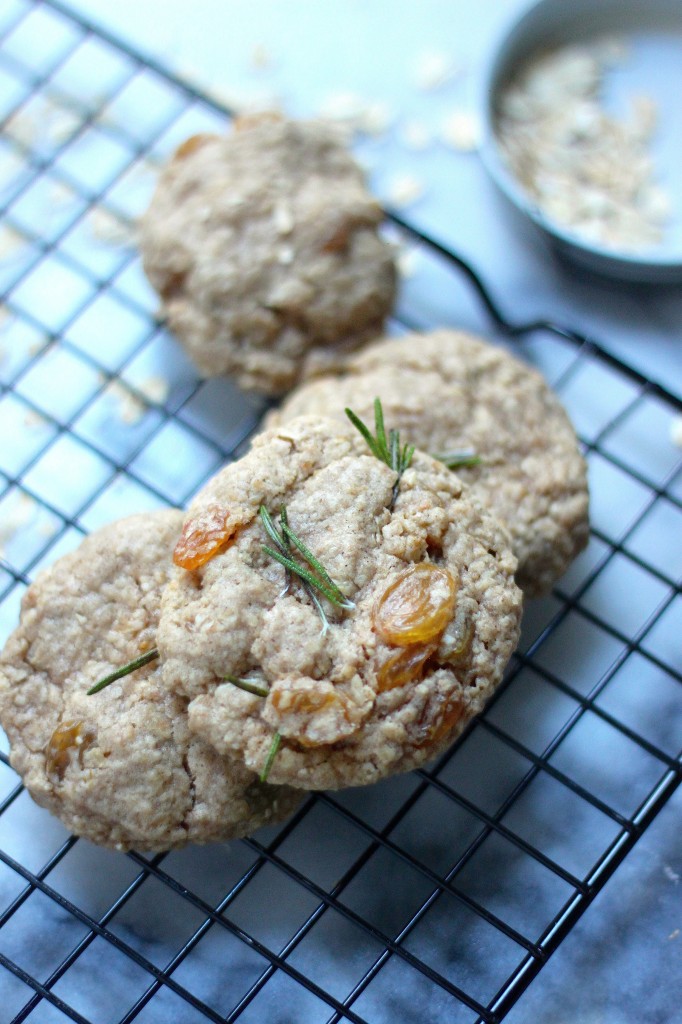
{"x":403,"y":938}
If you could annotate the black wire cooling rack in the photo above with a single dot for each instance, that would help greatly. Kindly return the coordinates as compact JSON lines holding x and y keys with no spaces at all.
{"x":434,"y":896}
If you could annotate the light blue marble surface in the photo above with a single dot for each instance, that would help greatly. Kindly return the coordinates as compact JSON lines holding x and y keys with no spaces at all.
{"x":622,"y":964}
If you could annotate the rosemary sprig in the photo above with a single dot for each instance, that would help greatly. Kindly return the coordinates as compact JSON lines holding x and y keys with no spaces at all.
{"x":270,"y":759}
{"x":250,"y":685}
{"x":386,"y":449}
{"x":456,"y":460}
{"x":318,"y":580}
{"x":144,"y":659}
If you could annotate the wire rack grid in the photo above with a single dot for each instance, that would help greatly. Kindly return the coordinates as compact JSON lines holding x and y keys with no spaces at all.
{"x":435,"y":896}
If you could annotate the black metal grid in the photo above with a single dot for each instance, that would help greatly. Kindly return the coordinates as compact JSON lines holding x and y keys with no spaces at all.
{"x":366,"y":905}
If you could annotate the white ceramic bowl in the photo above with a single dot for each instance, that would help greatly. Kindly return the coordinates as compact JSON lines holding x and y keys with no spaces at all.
{"x":548,"y":24}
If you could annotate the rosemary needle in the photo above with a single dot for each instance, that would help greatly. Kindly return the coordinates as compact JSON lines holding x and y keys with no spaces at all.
{"x":309,"y":577}
{"x":282,"y":542}
{"x":272,"y":754}
{"x":341,"y":598}
{"x":319,"y":580}
{"x":250,"y":685}
{"x":457,"y":460}
{"x":144,"y":659}
{"x":386,"y":449}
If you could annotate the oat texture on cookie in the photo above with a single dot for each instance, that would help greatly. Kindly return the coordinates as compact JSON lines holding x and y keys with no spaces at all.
{"x":120,"y":767}
{"x":427,"y":620}
{"x":453,"y":394}
{"x":263,"y":246}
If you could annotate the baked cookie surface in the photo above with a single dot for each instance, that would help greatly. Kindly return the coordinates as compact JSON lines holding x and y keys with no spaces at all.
{"x":394,"y":678}
{"x":118,"y":767}
{"x":263,"y":246}
{"x":449,"y":391}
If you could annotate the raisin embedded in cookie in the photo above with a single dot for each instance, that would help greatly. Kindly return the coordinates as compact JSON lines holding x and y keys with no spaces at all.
{"x":263,"y":246}
{"x":450,"y":392}
{"x":423,"y":615}
{"x":119,"y":767}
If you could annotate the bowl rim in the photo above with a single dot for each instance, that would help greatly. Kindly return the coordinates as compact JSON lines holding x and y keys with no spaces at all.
{"x":495,"y":69}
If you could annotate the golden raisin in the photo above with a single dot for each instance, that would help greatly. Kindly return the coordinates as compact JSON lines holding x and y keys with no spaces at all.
{"x":417,"y":606}
{"x":67,"y":738}
{"x":457,"y":639}
{"x":338,"y":240}
{"x":303,"y":701}
{"x":193,"y":143}
{"x":203,"y":536}
{"x":448,"y":721}
{"x":312,"y":717}
{"x":405,"y":666}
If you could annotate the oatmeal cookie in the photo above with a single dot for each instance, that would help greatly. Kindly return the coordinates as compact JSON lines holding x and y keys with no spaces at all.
{"x":448,"y":391}
{"x":431,"y":616}
{"x":263,"y":246}
{"x":119,"y":767}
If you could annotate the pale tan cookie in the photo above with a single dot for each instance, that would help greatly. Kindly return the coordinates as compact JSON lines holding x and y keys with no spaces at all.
{"x":263,"y":246}
{"x":384,"y":688}
{"x":448,"y":391}
{"x":119,"y":767}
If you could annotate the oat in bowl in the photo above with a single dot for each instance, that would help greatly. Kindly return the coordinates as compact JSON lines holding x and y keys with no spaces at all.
{"x":581,"y":131}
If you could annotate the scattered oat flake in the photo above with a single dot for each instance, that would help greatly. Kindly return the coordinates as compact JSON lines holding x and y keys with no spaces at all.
{"x":33,"y":419}
{"x":674,"y":934}
{"x":37,"y":346}
{"x":433,"y":69}
{"x":11,"y":165}
{"x":11,"y":243}
{"x":109,"y":229}
{"x":404,"y":189}
{"x":357,"y":114}
{"x":130,"y":409}
{"x":670,"y":873}
{"x":46,"y":528}
{"x":17,"y":513}
{"x":676,"y":431}
{"x":61,"y":122}
{"x":261,"y":58}
{"x":154,"y":388}
{"x":22,"y":127}
{"x":60,"y":194}
{"x":461,"y":130}
{"x":415,"y":135}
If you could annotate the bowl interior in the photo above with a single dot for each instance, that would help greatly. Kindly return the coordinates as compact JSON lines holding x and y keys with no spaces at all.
{"x":652,"y":32}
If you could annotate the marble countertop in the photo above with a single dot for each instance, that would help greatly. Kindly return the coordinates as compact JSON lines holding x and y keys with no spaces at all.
{"x":410,"y":68}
